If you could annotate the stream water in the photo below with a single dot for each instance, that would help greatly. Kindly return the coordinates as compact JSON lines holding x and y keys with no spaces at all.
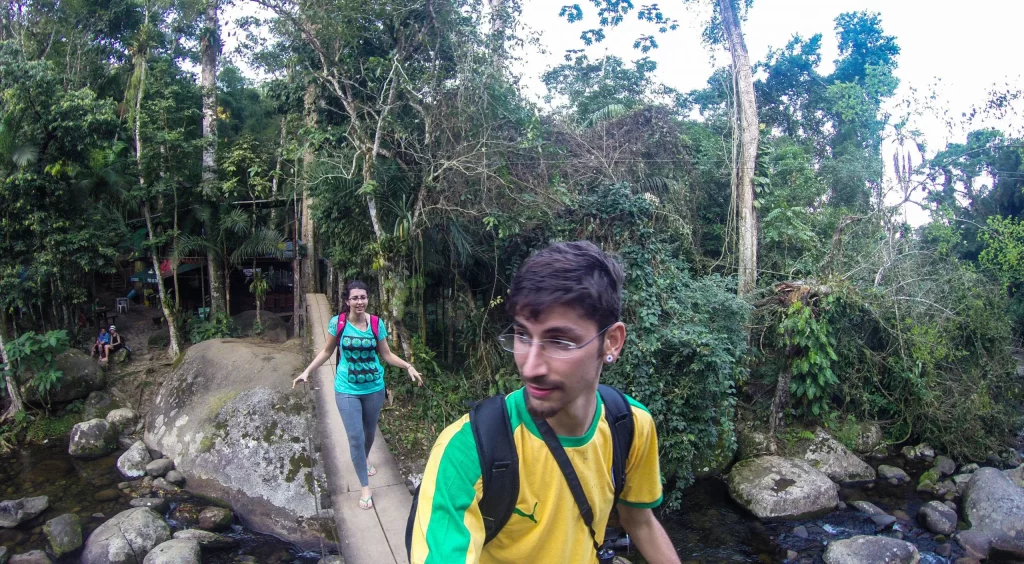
{"x":77,"y":486}
{"x":710,"y":527}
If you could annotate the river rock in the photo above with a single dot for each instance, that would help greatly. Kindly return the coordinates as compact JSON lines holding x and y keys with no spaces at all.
{"x":883,"y":521}
{"x":16,"y":511}
{"x":867,"y":508}
{"x":331,"y":559}
{"x":969,"y":468}
{"x":751,"y":443}
{"x":800,"y":531}
{"x":919,"y":452}
{"x":159,"y":468}
{"x":109,"y":494}
{"x":937,"y":518}
{"x":162,"y":485}
{"x":945,"y":465}
{"x":98,"y":404}
{"x":92,"y":439}
{"x":64,"y":534}
{"x":5,"y":555}
{"x":31,"y":557}
{"x":235,"y":427}
{"x":835,"y":460}
{"x":174,"y":551}
{"x":124,"y":419}
{"x":206,"y":539}
{"x":776,"y":488}
{"x":869,"y":436}
{"x":995,"y":506}
{"x":1016,"y":475}
{"x":976,"y":544}
{"x":175,"y":478}
{"x":157,"y":504}
{"x":133,"y":463}
{"x":960,"y":482}
{"x":215,"y":518}
{"x":865,"y":549}
{"x":81,"y":375}
{"x":126,"y":538}
{"x":893,"y":475}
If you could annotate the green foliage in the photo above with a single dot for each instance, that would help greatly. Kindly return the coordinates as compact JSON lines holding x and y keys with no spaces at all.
{"x":45,"y":428}
{"x":35,"y":355}
{"x":218,"y":326}
{"x":1004,"y":249}
{"x":806,"y":334}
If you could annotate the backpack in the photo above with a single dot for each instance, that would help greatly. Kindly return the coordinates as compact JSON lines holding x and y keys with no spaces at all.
{"x":374,"y":328}
{"x":499,"y":460}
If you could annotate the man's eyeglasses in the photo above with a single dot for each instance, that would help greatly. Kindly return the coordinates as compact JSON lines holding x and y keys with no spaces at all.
{"x":518,"y":343}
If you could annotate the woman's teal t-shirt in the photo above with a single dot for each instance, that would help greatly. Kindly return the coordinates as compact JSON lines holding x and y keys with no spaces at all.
{"x":359,"y":368}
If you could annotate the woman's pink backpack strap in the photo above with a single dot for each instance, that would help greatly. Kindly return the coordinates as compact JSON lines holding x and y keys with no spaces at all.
{"x":374,"y":326}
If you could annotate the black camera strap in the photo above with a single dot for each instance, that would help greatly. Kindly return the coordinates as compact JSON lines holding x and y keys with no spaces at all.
{"x":551,"y":439}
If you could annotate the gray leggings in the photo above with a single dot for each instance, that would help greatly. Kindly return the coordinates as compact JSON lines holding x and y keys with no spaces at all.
{"x":359,"y":414}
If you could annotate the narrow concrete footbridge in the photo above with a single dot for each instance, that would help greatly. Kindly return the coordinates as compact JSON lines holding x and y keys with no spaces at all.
{"x":374,"y":536}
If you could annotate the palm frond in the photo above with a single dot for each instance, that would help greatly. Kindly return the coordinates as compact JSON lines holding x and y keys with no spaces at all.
{"x":189,"y":244}
{"x":656,"y":185}
{"x":25,"y":155}
{"x":236,"y":221}
{"x":607,"y":113}
{"x":262,"y":243}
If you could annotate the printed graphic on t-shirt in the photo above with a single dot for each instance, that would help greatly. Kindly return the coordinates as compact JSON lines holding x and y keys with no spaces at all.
{"x":360,"y":354}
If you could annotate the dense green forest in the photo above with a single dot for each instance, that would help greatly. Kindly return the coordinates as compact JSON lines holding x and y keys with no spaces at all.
{"x":772,"y":276}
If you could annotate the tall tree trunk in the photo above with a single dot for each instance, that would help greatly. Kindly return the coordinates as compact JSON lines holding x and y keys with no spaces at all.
{"x":174,"y":347}
{"x":277,"y":171}
{"x":210,"y":50}
{"x":309,"y":262}
{"x":749,"y":136}
{"x":13,"y":393}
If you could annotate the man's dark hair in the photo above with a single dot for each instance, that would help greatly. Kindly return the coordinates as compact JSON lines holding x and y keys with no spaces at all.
{"x":577,"y":275}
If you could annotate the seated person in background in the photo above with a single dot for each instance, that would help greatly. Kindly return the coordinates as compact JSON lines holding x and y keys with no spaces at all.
{"x":116,"y":342}
{"x":99,"y":348}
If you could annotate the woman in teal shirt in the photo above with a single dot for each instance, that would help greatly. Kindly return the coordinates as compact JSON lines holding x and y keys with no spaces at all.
{"x":359,"y":381}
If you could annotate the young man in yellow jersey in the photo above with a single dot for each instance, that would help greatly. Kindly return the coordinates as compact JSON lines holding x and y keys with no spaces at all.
{"x":566,"y":301}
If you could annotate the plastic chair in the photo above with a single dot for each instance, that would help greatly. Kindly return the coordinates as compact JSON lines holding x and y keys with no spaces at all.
{"x":122,"y":303}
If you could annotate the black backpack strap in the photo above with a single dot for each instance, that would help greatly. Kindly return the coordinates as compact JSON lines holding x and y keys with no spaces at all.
{"x":499,"y":463}
{"x":619,"y":415}
{"x":571,"y":478}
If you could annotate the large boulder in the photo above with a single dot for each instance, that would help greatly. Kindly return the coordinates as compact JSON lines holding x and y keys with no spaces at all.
{"x":126,"y":538}
{"x":995,"y":506}
{"x":132,"y":464}
{"x":275,"y":329}
{"x":835,"y":460}
{"x":64,"y":534}
{"x":81,"y":375}
{"x":13,"y":512}
{"x":776,"y":488}
{"x":866,"y":549}
{"x":868,"y":438}
{"x":937,"y":518}
{"x":174,"y":551}
{"x":230,"y":421}
{"x":124,"y":419}
{"x":92,"y":439}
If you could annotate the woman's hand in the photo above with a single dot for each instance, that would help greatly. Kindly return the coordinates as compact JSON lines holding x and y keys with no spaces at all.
{"x":301,"y":378}
{"x":414,"y":375}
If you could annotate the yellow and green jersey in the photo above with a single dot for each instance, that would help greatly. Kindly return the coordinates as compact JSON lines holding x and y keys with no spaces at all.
{"x":546,"y":525}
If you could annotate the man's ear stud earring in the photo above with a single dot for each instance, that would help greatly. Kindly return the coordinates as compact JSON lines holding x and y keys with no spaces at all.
{"x":609,"y":359}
